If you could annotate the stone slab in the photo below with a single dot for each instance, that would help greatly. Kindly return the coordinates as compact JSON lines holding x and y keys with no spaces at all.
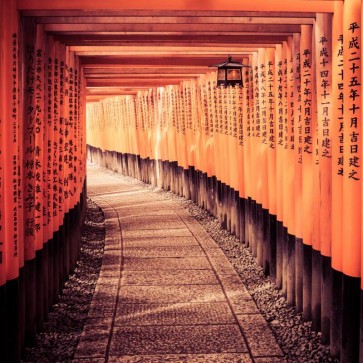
{"x":186,"y":358}
{"x":174,"y":314}
{"x":93,"y":342}
{"x":259,"y":336}
{"x":176,"y":340}
{"x":171,"y":294}
{"x":153,"y":224}
{"x":175,"y":251}
{"x":271,"y":360}
{"x":160,"y":241}
{"x":221,"y":265}
{"x":142,"y":233}
{"x":169,"y":277}
{"x":153,"y":264}
{"x":237,"y":294}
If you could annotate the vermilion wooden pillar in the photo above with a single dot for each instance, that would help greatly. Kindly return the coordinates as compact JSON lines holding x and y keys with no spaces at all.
{"x":337,"y":175}
{"x":271,"y":157}
{"x":352,"y":183}
{"x":2,"y":202}
{"x":323,"y":42}
{"x":298,"y":159}
{"x":307,"y":92}
{"x":11,"y":167}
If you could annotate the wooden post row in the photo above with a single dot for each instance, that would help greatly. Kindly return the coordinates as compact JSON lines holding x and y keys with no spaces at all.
{"x":42,"y":152}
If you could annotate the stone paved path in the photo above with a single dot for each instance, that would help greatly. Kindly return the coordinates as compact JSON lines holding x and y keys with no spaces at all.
{"x":166,"y":291}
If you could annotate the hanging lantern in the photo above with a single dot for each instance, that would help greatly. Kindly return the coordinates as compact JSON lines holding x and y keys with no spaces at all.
{"x":229,"y":73}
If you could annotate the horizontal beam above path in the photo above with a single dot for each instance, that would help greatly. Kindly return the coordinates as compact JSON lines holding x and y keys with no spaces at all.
{"x":164,"y":13}
{"x":150,"y":61}
{"x":110,"y":19}
{"x":262,"y":5}
{"x":156,"y":82}
{"x":156,"y":27}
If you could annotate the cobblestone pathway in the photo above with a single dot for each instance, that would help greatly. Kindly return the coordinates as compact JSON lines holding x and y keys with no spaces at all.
{"x":166,"y":291}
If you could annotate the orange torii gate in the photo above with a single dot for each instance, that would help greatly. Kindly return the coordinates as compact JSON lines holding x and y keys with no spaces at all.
{"x":278,"y":162}
{"x":42,"y":174}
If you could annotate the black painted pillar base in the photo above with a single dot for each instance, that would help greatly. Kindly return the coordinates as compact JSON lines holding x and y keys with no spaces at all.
{"x":350,"y":320}
{"x":317,"y":265}
{"x":241,"y":214}
{"x":3,"y":332}
{"x":307,"y":284}
{"x":236,"y":214}
{"x":191,"y":183}
{"x":299,"y":273}
{"x":260,"y":242}
{"x":272,"y":249}
{"x":285,"y":257}
{"x":279,"y":253}
{"x":21,"y":307}
{"x":39,"y":296}
{"x":336,"y":315}
{"x":51,"y":272}
{"x":361,"y":327}
{"x":290,"y":286}
{"x":12,"y":321}
{"x":56,"y":267}
{"x":45,"y":281}
{"x":266,"y":242}
{"x":326,"y":298}
{"x":30,"y":302}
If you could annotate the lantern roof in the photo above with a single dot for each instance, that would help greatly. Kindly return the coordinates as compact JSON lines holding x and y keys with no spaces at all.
{"x":229,"y":64}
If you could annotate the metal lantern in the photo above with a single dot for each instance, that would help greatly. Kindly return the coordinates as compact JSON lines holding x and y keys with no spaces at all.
{"x":229,"y":73}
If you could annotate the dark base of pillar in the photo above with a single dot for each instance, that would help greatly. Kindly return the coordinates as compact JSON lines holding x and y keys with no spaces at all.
{"x":307,"y":283}
{"x":279,"y":253}
{"x":40,"y":293}
{"x":350,"y":320}
{"x":273,"y":246}
{"x":336,"y":316}
{"x":326,"y":298}
{"x":30,"y":300}
{"x":267,"y":242}
{"x":3,"y":330}
{"x":316,"y":272}
{"x":299,"y":273}
{"x":12,"y":321}
{"x":290,"y":285}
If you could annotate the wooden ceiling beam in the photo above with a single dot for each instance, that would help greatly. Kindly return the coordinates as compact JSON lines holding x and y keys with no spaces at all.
{"x":176,"y":48}
{"x":145,"y":70}
{"x":164,"y":13}
{"x":150,"y":61}
{"x":256,"y":5}
{"x":141,"y":76}
{"x":185,"y":39}
{"x":172,"y":20}
{"x":136,"y":82}
{"x":171,"y":28}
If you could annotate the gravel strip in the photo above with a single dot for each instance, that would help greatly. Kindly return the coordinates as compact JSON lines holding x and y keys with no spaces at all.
{"x":298,"y":341}
{"x":58,"y":341}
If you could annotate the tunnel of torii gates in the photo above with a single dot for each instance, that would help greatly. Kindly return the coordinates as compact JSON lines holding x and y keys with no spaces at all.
{"x":278,"y":161}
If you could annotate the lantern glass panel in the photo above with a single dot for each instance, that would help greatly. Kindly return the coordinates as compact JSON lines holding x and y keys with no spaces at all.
{"x":233,"y":75}
{"x":221,"y":75}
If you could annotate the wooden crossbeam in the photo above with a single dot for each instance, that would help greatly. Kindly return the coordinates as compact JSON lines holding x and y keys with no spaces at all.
{"x":238,"y":5}
{"x":170,"y":28}
{"x":127,"y":46}
{"x":215,"y":20}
